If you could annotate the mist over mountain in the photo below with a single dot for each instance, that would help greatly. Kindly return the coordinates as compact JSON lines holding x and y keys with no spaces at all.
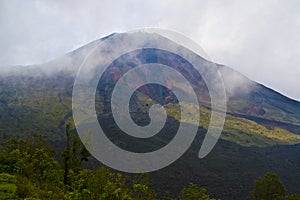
{"x":261,"y":132}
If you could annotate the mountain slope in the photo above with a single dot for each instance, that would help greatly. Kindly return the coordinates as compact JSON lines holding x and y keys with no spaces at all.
{"x":261,"y":132}
{"x":31,"y":95}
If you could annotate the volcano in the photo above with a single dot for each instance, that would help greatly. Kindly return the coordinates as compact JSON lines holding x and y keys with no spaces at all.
{"x":261,"y":131}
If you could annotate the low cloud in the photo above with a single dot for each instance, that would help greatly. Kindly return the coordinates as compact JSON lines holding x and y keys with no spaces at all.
{"x":260,"y":39}
{"x":235,"y":83}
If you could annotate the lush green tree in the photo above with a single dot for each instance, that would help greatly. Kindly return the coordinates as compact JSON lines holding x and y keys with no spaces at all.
{"x":140,"y":187}
{"x":73,"y":155}
{"x":8,"y":187}
{"x":292,"y":197}
{"x":34,"y":167}
{"x":268,"y":187}
{"x":30,"y":159}
{"x":44,"y":167}
{"x":104,"y":184}
{"x":168,"y":196}
{"x":26,"y":188}
{"x":194,"y":192}
{"x":16,"y":155}
{"x":143,"y":192}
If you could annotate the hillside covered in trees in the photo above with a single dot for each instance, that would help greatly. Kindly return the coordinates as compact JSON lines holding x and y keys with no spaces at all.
{"x":30,"y":169}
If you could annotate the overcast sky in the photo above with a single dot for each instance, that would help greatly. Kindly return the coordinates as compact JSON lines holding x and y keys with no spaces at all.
{"x":260,"y":39}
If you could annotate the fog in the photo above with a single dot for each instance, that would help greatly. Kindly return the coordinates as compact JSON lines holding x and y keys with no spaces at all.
{"x":260,"y":39}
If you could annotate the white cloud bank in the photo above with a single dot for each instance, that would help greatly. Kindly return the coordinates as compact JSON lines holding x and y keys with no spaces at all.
{"x":261,"y":39}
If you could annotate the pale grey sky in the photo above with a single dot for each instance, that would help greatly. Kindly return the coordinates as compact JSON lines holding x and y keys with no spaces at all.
{"x":260,"y":39}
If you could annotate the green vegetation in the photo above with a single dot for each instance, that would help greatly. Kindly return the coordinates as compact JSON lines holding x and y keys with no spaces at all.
{"x":8,"y":187}
{"x":26,"y":103}
{"x":249,"y":133}
{"x":269,"y":187}
{"x":194,"y":192}
{"x":73,"y":155}
{"x":29,"y":170}
{"x":239,"y":130}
